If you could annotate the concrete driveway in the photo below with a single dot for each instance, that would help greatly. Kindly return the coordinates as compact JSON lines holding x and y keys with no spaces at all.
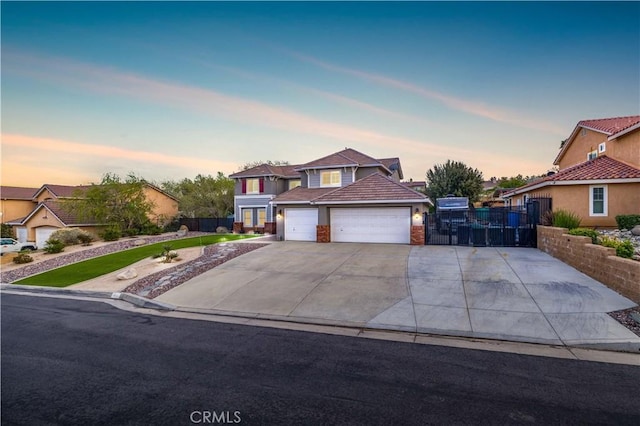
{"x":516,"y":294}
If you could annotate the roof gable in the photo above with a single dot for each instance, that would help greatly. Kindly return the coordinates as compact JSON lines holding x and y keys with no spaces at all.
{"x":346,"y":158}
{"x":611,"y":127}
{"x":265,"y":169}
{"x":61,"y":191}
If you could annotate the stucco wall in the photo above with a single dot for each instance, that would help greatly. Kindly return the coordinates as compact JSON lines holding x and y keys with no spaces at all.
{"x":165,"y":208}
{"x":621,"y":198}
{"x":15,"y":209}
{"x":625,"y":148}
{"x":600,"y":263}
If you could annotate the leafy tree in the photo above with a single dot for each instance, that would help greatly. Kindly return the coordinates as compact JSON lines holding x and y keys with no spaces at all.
{"x":6,"y":231}
{"x":204,"y":196}
{"x":116,"y":202}
{"x":253,"y":164}
{"x":455,"y":178}
{"x":513,"y":182}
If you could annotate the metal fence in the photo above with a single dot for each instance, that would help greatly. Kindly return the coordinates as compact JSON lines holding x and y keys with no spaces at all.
{"x":206,"y":224}
{"x":480,"y":227}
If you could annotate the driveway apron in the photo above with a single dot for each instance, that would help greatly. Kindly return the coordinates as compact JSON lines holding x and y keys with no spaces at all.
{"x":516,"y":294}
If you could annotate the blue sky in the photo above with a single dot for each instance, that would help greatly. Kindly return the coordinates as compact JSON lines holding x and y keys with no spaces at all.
{"x":171,"y":90}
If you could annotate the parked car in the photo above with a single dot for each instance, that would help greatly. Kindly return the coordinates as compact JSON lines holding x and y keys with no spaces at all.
{"x":9,"y":245}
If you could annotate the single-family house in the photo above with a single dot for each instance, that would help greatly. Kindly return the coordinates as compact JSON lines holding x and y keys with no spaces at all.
{"x":346,"y":196}
{"x":15,"y":202}
{"x":599,"y":172}
{"x":46,"y":213}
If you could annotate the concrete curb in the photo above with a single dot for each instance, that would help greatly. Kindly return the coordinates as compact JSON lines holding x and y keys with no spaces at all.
{"x":130,"y":298}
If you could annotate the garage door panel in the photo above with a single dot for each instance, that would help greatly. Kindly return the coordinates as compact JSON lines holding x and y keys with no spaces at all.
{"x":43,"y":233}
{"x":300,"y":224}
{"x":371,"y":225}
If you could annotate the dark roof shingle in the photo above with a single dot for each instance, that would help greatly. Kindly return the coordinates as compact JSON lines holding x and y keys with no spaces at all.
{"x":16,"y":193}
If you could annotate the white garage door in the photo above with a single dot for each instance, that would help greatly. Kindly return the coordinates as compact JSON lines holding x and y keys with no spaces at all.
{"x":371,"y":225}
{"x":300,"y":224}
{"x":43,"y":233}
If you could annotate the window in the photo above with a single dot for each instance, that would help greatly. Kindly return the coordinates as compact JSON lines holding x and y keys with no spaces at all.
{"x":592,"y":155}
{"x":262,"y":217}
{"x":253,"y":186}
{"x":602,"y":147}
{"x":247,"y":217}
{"x":330,"y":178}
{"x":294,"y":183}
{"x":598,"y":200}
{"x":583,"y":132}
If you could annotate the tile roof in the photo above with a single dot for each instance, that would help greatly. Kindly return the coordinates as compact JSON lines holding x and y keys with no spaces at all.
{"x":267,"y":170}
{"x":600,"y":168}
{"x":611,"y":125}
{"x":16,"y":193}
{"x":61,"y":191}
{"x":66,"y":217}
{"x":374,"y":187}
{"x":346,"y":157}
{"x":415,"y":184}
{"x":300,"y":194}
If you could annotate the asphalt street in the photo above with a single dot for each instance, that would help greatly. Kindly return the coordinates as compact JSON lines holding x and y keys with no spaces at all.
{"x":76,"y":362}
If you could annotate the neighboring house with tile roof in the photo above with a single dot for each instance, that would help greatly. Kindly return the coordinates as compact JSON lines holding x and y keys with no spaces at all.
{"x":45,"y":214}
{"x":15,"y":202}
{"x":346,"y":196}
{"x":599,"y":172}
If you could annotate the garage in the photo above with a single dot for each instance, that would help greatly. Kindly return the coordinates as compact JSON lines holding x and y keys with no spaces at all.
{"x":21,"y":234}
{"x":300,"y":224}
{"x":43,"y":233}
{"x":371,"y":225}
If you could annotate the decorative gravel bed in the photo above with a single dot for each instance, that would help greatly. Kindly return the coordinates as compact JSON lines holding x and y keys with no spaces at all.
{"x":156,"y":284}
{"x":624,"y":318}
{"x":46,"y":265}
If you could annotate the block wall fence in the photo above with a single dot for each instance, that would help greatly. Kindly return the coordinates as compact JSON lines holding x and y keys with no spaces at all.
{"x":599,"y":262}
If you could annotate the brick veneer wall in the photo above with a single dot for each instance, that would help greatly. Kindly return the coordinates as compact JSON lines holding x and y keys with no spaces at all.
{"x":417,"y":235}
{"x":323,"y":233}
{"x":270,"y":227}
{"x":600,"y":263}
{"x":237,"y":227}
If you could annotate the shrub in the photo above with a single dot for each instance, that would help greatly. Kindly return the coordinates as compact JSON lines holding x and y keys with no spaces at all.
{"x":168,"y":253}
{"x":53,"y":246}
{"x":547,"y":218}
{"x":6,"y":231}
{"x":624,"y":248}
{"x":85,"y":239}
{"x":131,"y":232}
{"x":565,"y":219}
{"x":586,"y":232}
{"x":70,"y":236}
{"x":172,"y":226}
{"x":111,"y":234}
{"x":627,"y":221}
{"x":22,"y":257}
{"x":151,"y":229}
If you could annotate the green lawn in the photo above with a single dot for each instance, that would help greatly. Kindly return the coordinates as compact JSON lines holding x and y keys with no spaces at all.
{"x":95,"y":267}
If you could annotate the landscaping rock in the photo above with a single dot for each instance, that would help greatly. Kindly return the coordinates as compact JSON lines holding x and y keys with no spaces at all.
{"x":127,"y":274}
{"x":636,"y":230}
{"x":140,"y":242}
{"x":222,"y":230}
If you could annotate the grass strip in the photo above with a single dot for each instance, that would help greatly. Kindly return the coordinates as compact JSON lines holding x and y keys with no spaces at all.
{"x":98,"y":266}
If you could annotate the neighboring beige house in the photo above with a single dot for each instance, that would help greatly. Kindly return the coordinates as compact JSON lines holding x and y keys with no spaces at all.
{"x":15,"y":202}
{"x":599,"y":172}
{"x":45,"y":214}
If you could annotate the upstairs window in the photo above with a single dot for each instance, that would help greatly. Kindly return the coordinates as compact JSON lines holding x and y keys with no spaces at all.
{"x":294,"y":183}
{"x":253,"y":186}
{"x":330,"y":178}
{"x":592,"y":155}
{"x":602,"y":148}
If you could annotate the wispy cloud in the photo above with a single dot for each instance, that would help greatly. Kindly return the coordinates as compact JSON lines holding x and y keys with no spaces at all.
{"x":64,"y":148}
{"x":467,"y":106}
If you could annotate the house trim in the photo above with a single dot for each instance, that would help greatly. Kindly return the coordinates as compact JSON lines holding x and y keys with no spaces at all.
{"x":570,"y":182}
{"x":624,"y":132}
{"x":605,"y":201}
{"x":420,"y":201}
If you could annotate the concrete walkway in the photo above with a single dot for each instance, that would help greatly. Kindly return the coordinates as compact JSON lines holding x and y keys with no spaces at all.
{"x":515,"y":294}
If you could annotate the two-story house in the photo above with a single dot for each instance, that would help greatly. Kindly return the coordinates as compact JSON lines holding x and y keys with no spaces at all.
{"x":41,"y":213}
{"x":599,"y":172}
{"x":344,"y":197}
